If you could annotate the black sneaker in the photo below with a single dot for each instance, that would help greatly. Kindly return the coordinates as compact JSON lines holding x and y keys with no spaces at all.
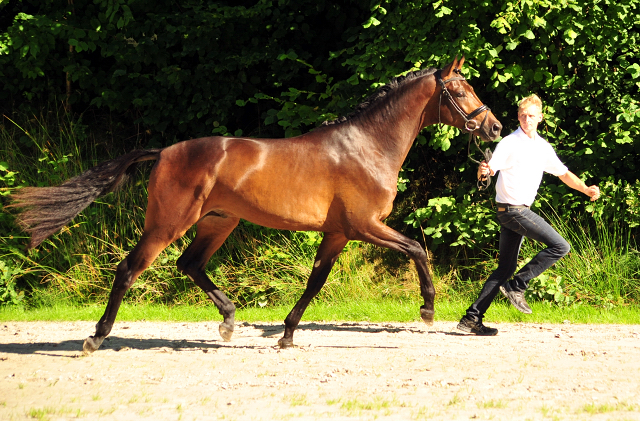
{"x":516,"y":298}
{"x":477,"y":328}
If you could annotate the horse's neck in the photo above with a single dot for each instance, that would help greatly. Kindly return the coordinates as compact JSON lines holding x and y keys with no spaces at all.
{"x":392,"y":128}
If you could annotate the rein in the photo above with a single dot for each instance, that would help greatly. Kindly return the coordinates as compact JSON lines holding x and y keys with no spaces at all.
{"x":469,"y":123}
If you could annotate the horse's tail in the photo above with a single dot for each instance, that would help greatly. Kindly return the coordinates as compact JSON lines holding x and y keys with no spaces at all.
{"x":45,"y":210}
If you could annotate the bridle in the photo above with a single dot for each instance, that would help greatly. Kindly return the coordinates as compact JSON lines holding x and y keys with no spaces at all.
{"x":470,"y":125}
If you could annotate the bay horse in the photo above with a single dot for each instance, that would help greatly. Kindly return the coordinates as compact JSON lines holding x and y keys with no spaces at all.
{"x":339,"y":179}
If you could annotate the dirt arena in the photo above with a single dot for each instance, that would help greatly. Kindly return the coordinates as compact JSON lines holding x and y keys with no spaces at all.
{"x":340,"y":371}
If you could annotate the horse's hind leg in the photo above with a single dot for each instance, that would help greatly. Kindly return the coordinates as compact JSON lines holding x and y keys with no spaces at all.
{"x":211,"y":233}
{"x":328,"y":252}
{"x":140,"y":258}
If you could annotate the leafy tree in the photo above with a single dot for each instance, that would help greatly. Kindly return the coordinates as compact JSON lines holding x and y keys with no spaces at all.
{"x":177,"y":69}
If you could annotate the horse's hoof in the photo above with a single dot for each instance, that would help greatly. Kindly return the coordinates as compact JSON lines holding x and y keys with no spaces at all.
{"x":91,"y":344}
{"x":426,"y":315}
{"x":285,"y":343}
{"x":225,"y":332}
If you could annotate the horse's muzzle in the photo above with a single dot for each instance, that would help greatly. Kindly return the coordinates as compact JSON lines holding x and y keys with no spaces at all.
{"x":490,"y":132}
{"x":495,"y":130}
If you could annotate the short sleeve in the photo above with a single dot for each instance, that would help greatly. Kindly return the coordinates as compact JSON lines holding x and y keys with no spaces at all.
{"x":554,"y":165}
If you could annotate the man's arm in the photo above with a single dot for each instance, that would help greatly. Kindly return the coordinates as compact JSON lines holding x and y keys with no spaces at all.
{"x":571,"y":180}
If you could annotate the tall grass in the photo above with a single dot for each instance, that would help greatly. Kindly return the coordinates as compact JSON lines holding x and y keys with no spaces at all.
{"x":602,"y":268}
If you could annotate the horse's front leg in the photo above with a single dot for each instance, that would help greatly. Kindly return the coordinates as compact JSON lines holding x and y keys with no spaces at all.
{"x":328,"y":252}
{"x":381,"y":235}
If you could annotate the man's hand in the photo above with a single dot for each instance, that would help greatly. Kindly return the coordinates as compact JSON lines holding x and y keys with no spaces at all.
{"x":483,"y":170}
{"x":593,"y":192}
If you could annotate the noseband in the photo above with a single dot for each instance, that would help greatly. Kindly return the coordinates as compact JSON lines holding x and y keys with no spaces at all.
{"x":470,"y":124}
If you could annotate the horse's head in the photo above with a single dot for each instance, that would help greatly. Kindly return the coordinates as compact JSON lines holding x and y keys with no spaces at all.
{"x":460,"y":106}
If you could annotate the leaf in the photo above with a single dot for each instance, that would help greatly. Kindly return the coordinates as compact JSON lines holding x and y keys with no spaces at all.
{"x":538,"y":76}
{"x":504,"y":78}
{"x":569,"y":36}
{"x":634,"y":70}
{"x":372,"y":21}
{"x":539,"y":22}
{"x":511,"y":45}
{"x":353,"y":80}
{"x":442,"y":11}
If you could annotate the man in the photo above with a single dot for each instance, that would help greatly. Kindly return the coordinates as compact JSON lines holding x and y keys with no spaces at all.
{"x":521,"y":158}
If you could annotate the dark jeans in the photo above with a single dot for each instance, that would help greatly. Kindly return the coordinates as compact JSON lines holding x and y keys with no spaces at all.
{"x":514,"y":225}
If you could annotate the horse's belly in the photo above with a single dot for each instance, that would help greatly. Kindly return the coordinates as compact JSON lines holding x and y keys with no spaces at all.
{"x":286,"y":212}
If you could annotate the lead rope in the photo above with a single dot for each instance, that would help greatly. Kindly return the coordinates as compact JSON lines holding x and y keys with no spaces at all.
{"x":485,"y":181}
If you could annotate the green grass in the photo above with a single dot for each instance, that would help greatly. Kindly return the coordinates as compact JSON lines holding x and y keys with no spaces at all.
{"x":369,"y":310}
{"x":593,"y":408}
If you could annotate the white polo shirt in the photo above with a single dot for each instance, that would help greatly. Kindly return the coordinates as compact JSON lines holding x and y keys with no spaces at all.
{"x":521,"y":162}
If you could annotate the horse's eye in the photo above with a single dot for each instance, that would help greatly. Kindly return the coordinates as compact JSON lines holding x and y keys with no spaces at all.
{"x":460,"y":94}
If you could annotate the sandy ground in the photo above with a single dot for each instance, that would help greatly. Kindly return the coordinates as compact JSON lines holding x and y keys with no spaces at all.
{"x":403,"y":371}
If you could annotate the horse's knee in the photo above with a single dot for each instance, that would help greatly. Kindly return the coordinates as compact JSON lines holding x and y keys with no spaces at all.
{"x":123,"y":279}
{"x":182,"y":265}
{"x":188,"y":266}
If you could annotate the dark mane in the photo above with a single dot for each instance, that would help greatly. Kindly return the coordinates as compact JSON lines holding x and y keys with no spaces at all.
{"x":381,"y":93}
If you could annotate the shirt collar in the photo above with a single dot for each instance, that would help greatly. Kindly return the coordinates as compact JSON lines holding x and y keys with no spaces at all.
{"x":521,"y":134}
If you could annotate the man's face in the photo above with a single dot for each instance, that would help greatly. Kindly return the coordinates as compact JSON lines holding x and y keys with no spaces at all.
{"x":529,"y":118}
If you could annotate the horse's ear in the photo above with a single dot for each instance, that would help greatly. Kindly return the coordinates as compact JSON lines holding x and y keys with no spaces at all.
{"x":460,"y":63}
{"x":449,"y":69}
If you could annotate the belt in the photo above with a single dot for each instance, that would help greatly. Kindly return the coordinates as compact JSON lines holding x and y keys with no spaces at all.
{"x":505,"y":207}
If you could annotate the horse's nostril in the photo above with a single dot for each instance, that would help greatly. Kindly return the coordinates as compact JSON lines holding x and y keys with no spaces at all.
{"x":497,"y":128}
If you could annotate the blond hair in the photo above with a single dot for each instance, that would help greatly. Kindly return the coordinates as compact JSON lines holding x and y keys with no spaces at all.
{"x":532,"y":99}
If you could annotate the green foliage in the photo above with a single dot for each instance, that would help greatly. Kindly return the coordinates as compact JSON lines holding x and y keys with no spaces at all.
{"x":581,"y":58}
{"x":549,"y":289}
{"x":7,"y":177}
{"x":280,"y":68}
{"x":619,"y":201}
{"x":445,"y":221}
{"x":9,"y":272}
{"x":178,"y":71}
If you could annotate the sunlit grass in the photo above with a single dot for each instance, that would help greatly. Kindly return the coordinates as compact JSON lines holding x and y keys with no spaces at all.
{"x":365,"y":310}
{"x":492,"y":404}
{"x":297,"y":399}
{"x":359,"y":406}
{"x":603,"y":408}
{"x":45,"y":413}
